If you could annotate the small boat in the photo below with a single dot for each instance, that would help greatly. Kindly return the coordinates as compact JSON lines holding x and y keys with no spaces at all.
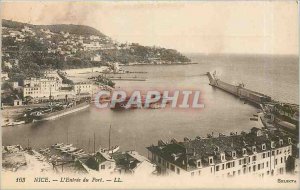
{"x":77,"y":152}
{"x":69,"y":150}
{"x":15,"y":123}
{"x":63,"y":148}
{"x":57,"y":145}
{"x":44,"y":150}
{"x":253,"y":119}
{"x":110,"y":151}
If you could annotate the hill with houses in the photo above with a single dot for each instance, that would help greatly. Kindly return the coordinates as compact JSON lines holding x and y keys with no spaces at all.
{"x":28,"y":50}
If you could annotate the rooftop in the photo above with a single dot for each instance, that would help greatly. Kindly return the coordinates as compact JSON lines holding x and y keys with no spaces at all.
{"x":185,"y":154}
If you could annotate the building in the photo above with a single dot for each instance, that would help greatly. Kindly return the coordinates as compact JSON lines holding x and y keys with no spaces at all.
{"x":101,"y":162}
{"x":258,"y":152}
{"x":128,"y":162}
{"x":45,"y":88}
{"x":131,"y":162}
{"x":18,"y":102}
{"x":97,"y":57}
{"x":4,"y":76}
{"x":83,"y":88}
{"x":15,"y":86}
{"x":92,"y":46}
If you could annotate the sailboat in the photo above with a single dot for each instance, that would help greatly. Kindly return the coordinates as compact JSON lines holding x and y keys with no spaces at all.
{"x":110,"y":150}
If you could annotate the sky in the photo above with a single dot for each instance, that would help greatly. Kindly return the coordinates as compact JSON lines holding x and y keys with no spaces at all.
{"x":190,"y":27}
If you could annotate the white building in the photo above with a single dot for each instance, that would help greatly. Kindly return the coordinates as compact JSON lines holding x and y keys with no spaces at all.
{"x":83,"y":88}
{"x":256,"y":153}
{"x":97,"y":57}
{"x":4,"y":76}
{"x":43,"y":88}
{"x":92,"y":37}
{"x":92,"y":46}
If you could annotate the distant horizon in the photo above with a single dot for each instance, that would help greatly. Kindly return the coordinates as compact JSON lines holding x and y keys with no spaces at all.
{"x":250,"y":28}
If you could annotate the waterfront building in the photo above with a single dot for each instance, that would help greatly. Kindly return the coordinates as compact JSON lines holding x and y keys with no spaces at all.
{"x":83,"y":88}
{"x":44,"y":88}
{"x":258,"y":152}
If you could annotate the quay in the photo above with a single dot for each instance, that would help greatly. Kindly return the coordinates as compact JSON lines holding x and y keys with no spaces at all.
{"x":240,"y":91}
{"x":283,"y":116}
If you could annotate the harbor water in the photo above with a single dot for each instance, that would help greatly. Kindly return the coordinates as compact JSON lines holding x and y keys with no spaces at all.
{"x":139,"y":128}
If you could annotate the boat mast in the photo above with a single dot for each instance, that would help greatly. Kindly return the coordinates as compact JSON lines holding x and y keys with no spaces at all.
{"x":67,"y":135}
{"x":109,"y":138}
{"x":94,"y":142}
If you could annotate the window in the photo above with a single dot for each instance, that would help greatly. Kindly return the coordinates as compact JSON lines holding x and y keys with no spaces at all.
{"x":289,"y":140}
{"x":254,"y":168}
{"x":217,"y":168}
{"x":249,"y":169}
{"x":262,"y":165}
{"x":280,"y":142}
{"x":273,"y":153}
{"x":263,"y":146}
{"x":281,"y":170}
{"x":240,"y":162}
{"x":263,"y":155}
{"x":267,"y":164}
{"x":254,"y":158}
{"x":253,"y":149}
{"x":222,"y":166}
{"x":199,"y":163}
{"x":222,"y":157}
{"x":277,"y":152}
{"x":244,"y":151}
{"x":258,"y":167}
{"x":268,"y":154}
{"x":233,"y":154}
{"x":210,"y":160}
{"x":272,"y":144}
{"x":178,"y":171}
{"x":233,"y":164}
{"x":281,"y":160}
{"x":276,"y":161}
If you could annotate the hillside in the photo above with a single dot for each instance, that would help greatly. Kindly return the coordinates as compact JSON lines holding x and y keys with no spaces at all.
{"x":29,"y":50}
{"x":70,"y":28}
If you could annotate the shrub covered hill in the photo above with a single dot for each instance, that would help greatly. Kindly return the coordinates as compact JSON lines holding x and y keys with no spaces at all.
{"x":28,"y":49}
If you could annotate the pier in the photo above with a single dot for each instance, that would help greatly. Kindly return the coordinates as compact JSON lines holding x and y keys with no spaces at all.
{"x":240,"y":91}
